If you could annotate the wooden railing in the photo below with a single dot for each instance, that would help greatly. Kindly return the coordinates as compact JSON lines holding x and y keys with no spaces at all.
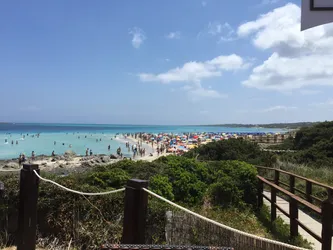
{"x":324,"y":210}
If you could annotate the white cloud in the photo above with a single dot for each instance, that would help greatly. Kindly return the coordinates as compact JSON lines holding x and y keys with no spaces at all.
{"x":138,"y":37}
{"x":167,"y":59}
{"x":299,"y":59}
{"x":173,"y":35}
{"x":192,"y":73}
{"x":276,"y":108}
{"x":196,"y":71}
{"x":204,"y":3}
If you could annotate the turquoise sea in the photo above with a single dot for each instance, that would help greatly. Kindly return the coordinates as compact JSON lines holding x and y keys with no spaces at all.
{"x":82,"y":136}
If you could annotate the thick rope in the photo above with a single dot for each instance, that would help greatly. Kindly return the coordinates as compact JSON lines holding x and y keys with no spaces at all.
{"x":10,"y":170}
{"x":78,"y":192}
{"x":221,"y":225}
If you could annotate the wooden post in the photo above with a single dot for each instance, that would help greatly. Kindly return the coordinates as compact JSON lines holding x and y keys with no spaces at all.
{"x":276,"y":177}
{"x":273,"y":202}
{"x":309,"y":191}
{"x":136,"y":202}
{"x":327,"y":220}
{"x":293,"y":212}
{"x":27,"y":218}
{"x":292,"y":183}
{"x":260,"y":190}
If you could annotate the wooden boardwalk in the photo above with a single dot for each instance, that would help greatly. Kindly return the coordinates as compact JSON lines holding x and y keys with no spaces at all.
{"x":303,"y":217}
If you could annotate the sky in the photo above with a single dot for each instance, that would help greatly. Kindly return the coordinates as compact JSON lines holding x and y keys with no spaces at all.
{"x":163,"y":62}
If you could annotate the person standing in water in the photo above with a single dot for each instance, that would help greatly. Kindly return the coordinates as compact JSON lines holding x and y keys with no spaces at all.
{"x":87,"y":151}
{"x":109,"y":147}
{"x":33,"y":155}
{"x":53,"y":154}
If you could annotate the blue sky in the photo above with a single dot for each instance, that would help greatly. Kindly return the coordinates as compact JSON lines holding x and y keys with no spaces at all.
{"x":162,"y":62}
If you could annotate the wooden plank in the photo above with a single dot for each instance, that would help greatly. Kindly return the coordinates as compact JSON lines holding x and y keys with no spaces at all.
{"x":273,"y":203}
{"x":284,"y":184}
{"x":299,"y":177}
{"x":27,"y":218}
{"x":317,"y":199}
{"x":136,"y":203}
{"x":276,"y":176}
{"x":309,"y":191}
{"x":308,"y":230}
{"x":326,"y":221}
{"x":300,"y":191}
{"x":260,"y":190}
{"x":266,"y":197}
{"x":291,"y":195}
{"x":293,"y":210}
{"x":282,"y":210}
{"x":292,"y":184}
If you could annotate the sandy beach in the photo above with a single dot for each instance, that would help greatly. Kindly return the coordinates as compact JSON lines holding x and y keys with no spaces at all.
{"x":69,"y":162}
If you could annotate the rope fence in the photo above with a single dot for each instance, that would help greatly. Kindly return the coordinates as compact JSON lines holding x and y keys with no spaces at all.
{"x":78,"y":192}
{"x":176,"y":227}
{"x":10,"y":170}
{"x":235,"y":237}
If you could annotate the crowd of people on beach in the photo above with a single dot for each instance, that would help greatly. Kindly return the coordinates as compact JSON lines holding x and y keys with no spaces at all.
{"x":136,"y":144}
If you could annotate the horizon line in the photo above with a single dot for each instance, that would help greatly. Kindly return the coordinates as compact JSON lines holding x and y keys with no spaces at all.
{"x":216,"y":124}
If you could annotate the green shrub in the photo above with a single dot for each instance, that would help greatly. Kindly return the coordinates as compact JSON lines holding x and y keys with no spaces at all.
{"x":225,"y":193}
{"x":116,"y":178}
{"x":232,"y":149}
{"x":240,"y":174}
{"x":161,"y":185}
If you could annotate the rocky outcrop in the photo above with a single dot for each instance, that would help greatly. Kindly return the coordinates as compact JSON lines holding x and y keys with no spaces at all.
{"x":113,"y":156}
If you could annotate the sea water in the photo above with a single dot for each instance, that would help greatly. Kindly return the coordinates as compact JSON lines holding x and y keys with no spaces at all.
{"x":83,"y":136}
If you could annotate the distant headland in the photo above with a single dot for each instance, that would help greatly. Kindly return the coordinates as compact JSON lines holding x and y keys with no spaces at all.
{"x":294,"y":125}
